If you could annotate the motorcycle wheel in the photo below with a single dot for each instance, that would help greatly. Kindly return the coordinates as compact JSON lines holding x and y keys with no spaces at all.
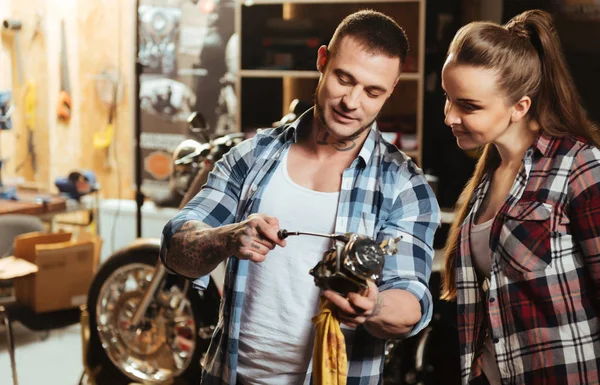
{"x":172,"y":338}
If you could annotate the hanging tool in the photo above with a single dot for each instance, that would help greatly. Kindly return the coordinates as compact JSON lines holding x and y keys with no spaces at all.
{"x":14,"y":26}
{"x":30,"y":118}
{"x":64,"y":97}
{"x":38,"y":30}
{"x":102,"y":139}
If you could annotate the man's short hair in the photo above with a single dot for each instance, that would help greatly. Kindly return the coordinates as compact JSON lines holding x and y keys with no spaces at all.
{"x":379,"y":33}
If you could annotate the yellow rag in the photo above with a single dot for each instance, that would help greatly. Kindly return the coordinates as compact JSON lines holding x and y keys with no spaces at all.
{"x":330,"y":364}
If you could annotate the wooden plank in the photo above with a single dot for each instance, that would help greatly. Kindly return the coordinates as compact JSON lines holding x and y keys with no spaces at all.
{"x":34,"y":78}
{"x":99,"y":37}
{"x":307,"y":74}
{"x":28,"y":204}
{"x":99,"y":46}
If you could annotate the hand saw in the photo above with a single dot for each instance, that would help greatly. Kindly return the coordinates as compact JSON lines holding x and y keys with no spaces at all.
{"x":63,"y":110}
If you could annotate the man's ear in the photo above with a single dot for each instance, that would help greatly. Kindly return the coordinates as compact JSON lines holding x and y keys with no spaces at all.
{"x":520,"y":109}
{"x":322,"y":58}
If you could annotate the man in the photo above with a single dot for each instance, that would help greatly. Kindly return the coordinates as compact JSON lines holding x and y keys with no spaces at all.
{"x":329,"y":172}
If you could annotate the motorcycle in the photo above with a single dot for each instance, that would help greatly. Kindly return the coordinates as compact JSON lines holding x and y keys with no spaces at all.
{"x":146,"y":325}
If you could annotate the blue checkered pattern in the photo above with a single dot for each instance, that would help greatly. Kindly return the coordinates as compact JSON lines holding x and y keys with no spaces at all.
{"x":383,"y":194}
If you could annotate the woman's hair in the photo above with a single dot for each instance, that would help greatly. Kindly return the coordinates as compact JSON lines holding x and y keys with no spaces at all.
{"x":526,"y":56}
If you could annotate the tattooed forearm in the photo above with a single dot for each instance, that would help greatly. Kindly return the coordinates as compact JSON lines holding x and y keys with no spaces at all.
{"x":196,"y":249}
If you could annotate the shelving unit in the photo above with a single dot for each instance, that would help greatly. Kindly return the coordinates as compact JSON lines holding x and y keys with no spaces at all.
{"x":265,"y":88}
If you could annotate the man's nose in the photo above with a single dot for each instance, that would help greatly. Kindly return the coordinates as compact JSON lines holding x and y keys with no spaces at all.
{"x":352,"y":99}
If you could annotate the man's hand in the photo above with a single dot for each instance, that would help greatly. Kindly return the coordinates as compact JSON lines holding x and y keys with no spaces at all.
{"x":357,"y":308}
{"x":388,"y":314}
{"x":253,"y":238}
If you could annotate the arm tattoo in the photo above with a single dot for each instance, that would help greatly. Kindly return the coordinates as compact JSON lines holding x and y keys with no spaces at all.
{"x":194,"y":251}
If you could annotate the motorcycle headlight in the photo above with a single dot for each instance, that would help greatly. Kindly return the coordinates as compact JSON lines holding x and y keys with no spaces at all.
{"x":187,"y":159}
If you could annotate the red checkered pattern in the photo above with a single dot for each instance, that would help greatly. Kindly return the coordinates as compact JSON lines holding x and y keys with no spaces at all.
{"x":543,"y":304}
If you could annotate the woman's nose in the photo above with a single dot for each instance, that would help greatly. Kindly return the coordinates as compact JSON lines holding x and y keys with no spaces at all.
{"x":451,"y":117}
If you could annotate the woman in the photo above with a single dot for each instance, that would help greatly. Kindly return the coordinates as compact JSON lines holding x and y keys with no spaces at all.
{"x":523,"y":257}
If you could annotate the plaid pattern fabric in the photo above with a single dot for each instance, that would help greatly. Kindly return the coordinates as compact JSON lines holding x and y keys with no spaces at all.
{"x":544,"y":293}
{"x":383,"y":194}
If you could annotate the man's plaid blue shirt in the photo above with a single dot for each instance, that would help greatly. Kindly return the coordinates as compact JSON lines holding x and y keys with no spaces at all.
{"x":383,"y":194}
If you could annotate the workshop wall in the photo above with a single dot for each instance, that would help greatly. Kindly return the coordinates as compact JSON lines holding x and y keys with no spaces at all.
{"x":100,"y":47}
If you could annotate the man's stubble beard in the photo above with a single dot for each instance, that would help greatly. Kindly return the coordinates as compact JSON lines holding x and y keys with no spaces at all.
{"x":320,"y":116}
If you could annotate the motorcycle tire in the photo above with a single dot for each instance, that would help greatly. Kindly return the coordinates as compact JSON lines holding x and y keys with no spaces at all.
{"x":131,"y":364}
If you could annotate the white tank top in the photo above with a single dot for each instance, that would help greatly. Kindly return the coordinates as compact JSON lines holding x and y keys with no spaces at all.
{"x":482,"y":260}
{"x":276,"y":333}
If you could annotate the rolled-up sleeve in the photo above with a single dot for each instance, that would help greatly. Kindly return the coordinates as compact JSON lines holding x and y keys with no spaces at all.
{"x":415,"y":216}
{"x":216,"y":203}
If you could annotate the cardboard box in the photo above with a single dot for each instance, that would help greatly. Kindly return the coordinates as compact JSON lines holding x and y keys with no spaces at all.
{"x":65,"y":269}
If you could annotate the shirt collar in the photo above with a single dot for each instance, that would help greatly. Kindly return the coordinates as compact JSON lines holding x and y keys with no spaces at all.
{"x":545,"y":144}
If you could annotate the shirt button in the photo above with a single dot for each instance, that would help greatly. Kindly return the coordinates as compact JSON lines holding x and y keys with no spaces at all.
{"x":252,"y":189}
{"x":492,"y":300}
{"x":495,"y":340}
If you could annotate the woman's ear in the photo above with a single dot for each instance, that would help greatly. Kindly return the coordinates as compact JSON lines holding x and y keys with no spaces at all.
{"x":321,"y":58}
{"x":520,"y":109}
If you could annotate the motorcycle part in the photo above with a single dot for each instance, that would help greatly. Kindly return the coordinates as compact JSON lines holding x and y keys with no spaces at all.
{"x":188,"y":159}
{"x":173,"y":334}
{"x":198,"y":127}
{"x":222,"y":145}
{"x":351,"y":263}
{"x":348,"y":267}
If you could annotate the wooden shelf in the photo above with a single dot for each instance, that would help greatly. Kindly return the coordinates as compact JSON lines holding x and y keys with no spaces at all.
{"x":412,"y":153}
{"x":279,"y":74}
{"x":305,"y":74}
